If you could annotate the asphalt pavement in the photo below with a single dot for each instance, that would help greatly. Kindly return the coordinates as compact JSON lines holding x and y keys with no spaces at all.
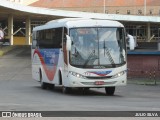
{"x":19,"y":92}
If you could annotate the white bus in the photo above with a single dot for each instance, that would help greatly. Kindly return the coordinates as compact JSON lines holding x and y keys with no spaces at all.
{"x":79,"y":53}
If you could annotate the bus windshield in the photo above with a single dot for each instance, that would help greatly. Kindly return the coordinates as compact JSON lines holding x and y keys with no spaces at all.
{"x":99,"y":47}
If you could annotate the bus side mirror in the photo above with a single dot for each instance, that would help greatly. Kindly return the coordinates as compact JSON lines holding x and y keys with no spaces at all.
{"x":68,"y":43}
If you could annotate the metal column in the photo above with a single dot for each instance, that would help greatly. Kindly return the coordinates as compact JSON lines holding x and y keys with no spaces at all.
{"x":148,"y":32}
{"x":10,"y":28}
{"x":28,"y":31}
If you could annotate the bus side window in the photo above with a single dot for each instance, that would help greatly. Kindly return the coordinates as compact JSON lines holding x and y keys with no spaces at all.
{"x":58,"y":38}
{"x":50,"y":38}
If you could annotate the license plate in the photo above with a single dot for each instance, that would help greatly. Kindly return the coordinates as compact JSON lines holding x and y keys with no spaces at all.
{"x":99,"y":83}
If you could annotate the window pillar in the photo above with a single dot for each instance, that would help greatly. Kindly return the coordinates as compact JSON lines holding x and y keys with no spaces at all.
{"x":10,"y":28}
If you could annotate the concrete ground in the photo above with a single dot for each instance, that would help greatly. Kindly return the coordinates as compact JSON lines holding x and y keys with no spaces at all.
{"x":5,"y":48}
{"x":19,"y":92}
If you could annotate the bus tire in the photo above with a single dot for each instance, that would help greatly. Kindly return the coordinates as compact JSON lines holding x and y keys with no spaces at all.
{"x":66,"y":90}
{"x":43,"y":85}
{"x":84,"y":90}
{"x":110,"y":90}
{"x":51,"y":86}
{"x":60,"y":78}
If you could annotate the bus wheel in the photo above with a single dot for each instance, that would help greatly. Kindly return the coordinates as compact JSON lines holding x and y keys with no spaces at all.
{"x":66,"y":90}
{"x":43,"y":85}
{"x":110,"y":90}
{"x":83,"y":90}
{"x":51,"y":86}
{"x":86,"y":89}
{"x":60,"y":78}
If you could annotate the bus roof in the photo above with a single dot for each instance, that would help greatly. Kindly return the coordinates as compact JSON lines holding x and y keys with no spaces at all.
{"x":78,"y":22}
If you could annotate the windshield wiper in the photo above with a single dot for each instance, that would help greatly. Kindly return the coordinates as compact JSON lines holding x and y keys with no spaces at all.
{"x":106,"y":51}
{"x":92,"y":56}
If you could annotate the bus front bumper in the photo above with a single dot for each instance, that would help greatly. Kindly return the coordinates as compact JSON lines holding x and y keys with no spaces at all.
{"x":95,"y":83}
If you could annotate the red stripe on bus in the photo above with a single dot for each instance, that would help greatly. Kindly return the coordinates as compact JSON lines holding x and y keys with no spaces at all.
{"x":50,"y":72}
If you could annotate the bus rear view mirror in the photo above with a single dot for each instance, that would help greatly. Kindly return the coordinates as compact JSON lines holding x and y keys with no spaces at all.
{"x":68,"y":43}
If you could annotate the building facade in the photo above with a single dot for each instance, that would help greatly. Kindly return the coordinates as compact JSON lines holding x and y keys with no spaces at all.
{"x":143,"y":32}
{"x":125,"y":7}
{"x":24,"y":2}
{"x":128,"y":7}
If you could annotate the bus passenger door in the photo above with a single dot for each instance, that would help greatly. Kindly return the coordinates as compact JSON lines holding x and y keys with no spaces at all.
{"x":65,"y":54}
{"x":35,"y":58}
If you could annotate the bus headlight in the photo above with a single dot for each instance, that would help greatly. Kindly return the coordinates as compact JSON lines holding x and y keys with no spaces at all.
{"x":118,"y":74}
{"x":77,"y":75}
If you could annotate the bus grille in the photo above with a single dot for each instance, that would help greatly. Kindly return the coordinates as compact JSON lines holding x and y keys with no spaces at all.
{"x":105,"y":77}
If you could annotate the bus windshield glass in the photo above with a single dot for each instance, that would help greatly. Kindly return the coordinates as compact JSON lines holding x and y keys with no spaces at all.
{"x":98,"y":47}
